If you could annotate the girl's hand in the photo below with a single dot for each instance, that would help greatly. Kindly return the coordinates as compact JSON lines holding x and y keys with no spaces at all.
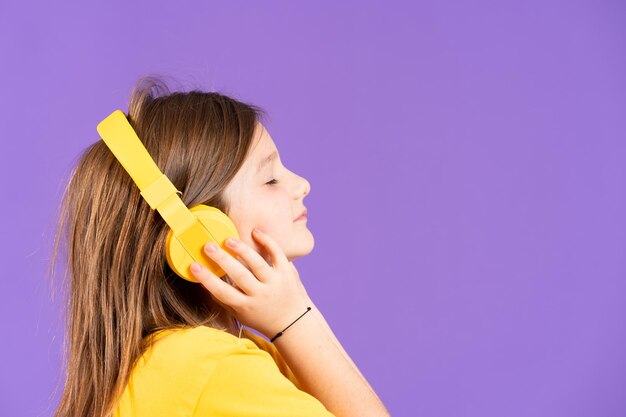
{"x":268,"y":297}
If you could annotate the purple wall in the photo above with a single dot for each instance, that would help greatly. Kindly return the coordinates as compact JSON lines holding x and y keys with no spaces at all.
{"x":467,"y":162}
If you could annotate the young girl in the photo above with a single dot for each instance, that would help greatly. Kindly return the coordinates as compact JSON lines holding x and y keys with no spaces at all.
{"x":142,"y":341}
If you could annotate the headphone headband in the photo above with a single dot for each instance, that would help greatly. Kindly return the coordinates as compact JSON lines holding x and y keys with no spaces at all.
{"x":187,"y":228}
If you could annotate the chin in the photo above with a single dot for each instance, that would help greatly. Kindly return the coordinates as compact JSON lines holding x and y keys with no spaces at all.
{"x":302,"y":248}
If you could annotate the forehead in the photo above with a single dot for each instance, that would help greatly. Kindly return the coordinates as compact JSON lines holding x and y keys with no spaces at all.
{"x":262,"y":141}
{"x":262,"y":146}
{"x":247,"y":176}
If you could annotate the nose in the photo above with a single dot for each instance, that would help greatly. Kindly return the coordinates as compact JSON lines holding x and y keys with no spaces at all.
{"x":304,"y":187}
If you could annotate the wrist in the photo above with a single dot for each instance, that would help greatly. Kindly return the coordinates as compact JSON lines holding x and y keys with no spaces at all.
{"x":294,"y":322}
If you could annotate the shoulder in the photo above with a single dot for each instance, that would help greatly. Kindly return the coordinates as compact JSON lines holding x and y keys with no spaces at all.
{"x":175,"y":367}
{"x":186,"y":370}
{"x":193,"y":350}
{"x":248,"y":383}
{"x":201,"y":339}
{"x":206,"y":341}
{"x":271,"y":350}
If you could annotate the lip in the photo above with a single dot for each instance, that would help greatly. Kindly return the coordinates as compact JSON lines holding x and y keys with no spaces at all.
{"x":302,"y":216}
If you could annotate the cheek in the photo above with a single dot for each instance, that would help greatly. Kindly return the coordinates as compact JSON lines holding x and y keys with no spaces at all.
{"x":271,"y":212}
{"x":274,"y":204}
{"x":275,"y":216}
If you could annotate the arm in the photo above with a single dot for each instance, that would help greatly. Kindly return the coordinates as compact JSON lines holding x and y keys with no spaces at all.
{"x":325,"y":370}
{"x":268,"y":294}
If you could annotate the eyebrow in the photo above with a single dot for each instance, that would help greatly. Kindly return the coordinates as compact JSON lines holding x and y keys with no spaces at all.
{"x":269,"y":158}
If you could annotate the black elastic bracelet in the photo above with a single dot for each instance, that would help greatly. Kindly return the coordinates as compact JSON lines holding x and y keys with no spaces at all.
{"x":279,"y":334}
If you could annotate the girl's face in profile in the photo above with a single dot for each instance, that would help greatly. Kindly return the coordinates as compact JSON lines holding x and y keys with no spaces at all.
{"x":264,"y":194}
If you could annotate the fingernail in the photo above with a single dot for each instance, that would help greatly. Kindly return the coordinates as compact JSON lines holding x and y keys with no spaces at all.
{"x":258,"y":232}
{"x":195,"y":267}
{"x":232,"y":242}
{"x":211,"y":247}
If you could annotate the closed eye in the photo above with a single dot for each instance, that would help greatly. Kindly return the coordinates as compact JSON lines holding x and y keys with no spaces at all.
{"x":272,"y":182}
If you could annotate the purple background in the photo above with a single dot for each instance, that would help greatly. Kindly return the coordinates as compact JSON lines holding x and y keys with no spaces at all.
{"x":467,"y":168}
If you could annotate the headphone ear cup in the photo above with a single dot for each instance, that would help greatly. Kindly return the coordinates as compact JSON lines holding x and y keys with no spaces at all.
{"x":219,"y":225}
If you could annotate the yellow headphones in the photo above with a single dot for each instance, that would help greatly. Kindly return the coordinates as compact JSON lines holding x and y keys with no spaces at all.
{"x":190,"y":229}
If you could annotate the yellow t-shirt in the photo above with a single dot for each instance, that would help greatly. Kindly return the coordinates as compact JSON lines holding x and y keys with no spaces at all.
{"x":207,"y":372}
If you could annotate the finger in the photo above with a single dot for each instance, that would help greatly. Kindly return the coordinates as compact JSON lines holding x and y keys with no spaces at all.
{"x":251,"y":258}
{"x":220,"y":303}
{"x":276,"y":253}
{"x":222,"y":291}
{"x":236,"y":271}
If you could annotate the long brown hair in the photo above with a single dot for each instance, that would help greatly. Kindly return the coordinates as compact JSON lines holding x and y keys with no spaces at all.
{"x":120,"y":288}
